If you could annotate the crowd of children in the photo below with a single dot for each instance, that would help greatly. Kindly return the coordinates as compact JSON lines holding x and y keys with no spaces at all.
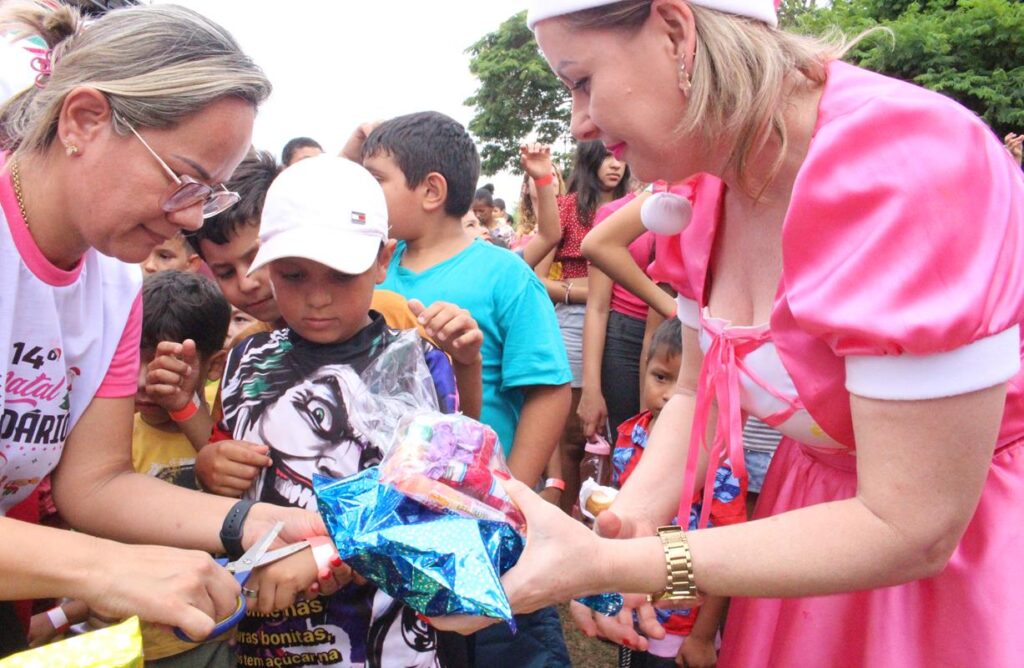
{"x":253,"y":380}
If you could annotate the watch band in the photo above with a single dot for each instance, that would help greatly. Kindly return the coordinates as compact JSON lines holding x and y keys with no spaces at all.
{"x":680,"y":584}
{"x":231,"y":530}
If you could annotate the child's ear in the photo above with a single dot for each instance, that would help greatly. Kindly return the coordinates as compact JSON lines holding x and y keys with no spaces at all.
{"x":383,"y":260}
{"x":193,"y":264}
{"x":435,"y":192}
{"x":216,"y":363}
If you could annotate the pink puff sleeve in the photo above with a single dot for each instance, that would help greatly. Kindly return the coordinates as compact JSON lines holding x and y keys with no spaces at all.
{"x":681,"y":260}
{"x":903,"y":249}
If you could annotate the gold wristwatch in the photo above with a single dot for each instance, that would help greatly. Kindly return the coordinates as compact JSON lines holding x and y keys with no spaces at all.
{"x":680,"y":585}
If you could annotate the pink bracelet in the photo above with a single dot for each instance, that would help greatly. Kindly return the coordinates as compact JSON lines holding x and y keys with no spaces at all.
{"x":186,"y":413}
{"x":544,"y":180}
{"x":557,"y":483}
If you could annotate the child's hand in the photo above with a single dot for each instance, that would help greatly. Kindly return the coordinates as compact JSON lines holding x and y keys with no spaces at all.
{"x":172,"y":378}
{"x":41,"y":630}
{"x":229,"y":467}
{"x":278,"y":585}
{"x":453,"y":328}
{"x":1015,"y":145}
{"x":536,"y":160}
{"x":353,"y":149}
{"x":697,"y":652}
{"x":592,"y":411}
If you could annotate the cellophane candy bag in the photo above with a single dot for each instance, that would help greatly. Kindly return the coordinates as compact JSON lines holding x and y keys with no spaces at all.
{"x":451,"y":463}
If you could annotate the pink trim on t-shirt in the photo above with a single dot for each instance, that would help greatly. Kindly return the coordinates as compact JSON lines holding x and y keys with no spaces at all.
{"x":30,"y":254}
{"x":122,"y":377}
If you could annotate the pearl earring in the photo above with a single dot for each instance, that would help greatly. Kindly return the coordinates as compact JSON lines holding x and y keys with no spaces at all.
{"x":684,"y":79}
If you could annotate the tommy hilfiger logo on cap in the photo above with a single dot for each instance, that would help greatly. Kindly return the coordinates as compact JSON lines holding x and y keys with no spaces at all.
{"x":358,"y":218}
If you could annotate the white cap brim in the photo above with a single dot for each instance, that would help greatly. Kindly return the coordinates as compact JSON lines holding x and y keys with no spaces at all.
{"x":320,"y":245}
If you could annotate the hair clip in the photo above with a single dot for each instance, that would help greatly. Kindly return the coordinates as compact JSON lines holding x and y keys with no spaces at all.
{"x":42,"y":63}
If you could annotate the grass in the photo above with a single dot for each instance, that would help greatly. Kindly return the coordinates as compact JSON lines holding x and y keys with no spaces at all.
{"x":583,"y":651}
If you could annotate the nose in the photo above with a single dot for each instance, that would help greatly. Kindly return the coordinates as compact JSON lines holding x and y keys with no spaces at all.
{"x":251,"y":282}
{"x":318,"y":297}
{"x":141,"y":380}
{"x":581,"y":126}
{"x":189,"y":219}
{"x":148,"y":266}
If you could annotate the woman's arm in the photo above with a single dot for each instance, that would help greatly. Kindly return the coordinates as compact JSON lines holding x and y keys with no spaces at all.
{"x":651,"y":495}
{"x":592,"y":409}
{"x":607,"y":247}
{"x":921,"y":466}
{"x":575,"y":288}
{"x":97,"y":492}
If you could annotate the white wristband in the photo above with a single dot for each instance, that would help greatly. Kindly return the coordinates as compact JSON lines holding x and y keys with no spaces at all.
{"x":58,"y":618}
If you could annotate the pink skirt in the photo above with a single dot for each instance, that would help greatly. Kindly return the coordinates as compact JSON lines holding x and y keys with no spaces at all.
{"x":971,"y":614}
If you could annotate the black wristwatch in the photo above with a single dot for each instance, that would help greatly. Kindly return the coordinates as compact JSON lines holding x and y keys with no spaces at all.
{"x":231,"y":530}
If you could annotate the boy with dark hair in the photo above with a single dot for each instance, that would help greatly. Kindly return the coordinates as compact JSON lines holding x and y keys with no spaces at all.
{"x":174,"y":254}
{"x":228,"y":242}
{"x":300,"y":148}
{"x":304,"y":391}
{"x":428,"y":167}
{"x":177,"y":308}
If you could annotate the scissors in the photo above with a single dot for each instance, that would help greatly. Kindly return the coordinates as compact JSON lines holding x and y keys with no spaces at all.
{"x":242,"y":568}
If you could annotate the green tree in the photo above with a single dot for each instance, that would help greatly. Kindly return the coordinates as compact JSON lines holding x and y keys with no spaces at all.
{"x":970,"y":50}
{"x":518,"y":95}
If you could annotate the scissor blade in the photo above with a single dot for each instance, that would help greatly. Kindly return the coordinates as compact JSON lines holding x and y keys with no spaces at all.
{"x":281,"y":553}
{"x":254,"y":554}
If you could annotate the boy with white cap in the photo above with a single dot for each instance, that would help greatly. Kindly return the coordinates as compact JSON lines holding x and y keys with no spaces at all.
{"x":299,"y":390}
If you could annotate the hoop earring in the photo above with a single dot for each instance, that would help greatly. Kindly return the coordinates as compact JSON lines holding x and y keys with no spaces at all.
{"x":69,"y":148}
{"x":684,"y":79}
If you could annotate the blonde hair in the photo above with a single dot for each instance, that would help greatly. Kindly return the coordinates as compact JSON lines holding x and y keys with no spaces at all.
{"x":741,"y":71}
{"x":155,"y":64}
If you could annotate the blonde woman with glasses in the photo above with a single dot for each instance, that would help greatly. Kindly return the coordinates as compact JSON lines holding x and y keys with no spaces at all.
{"x":133,"y":123}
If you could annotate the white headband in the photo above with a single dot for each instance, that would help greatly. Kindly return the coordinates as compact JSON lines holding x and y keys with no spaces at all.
{"x":762,"y":10}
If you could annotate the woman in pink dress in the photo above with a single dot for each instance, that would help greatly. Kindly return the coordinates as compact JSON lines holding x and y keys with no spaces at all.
{"x":852,"y":276}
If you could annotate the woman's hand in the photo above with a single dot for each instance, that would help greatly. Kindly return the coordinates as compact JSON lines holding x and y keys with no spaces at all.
{"x":551,"y":568}
{"x":620,"y":628}
{"x":592,"y":411}
{"x":180,"y":588}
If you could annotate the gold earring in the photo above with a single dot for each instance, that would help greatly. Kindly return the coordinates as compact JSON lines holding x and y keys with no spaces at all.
{"x":70,"y":149}
{"x":684,"y":79}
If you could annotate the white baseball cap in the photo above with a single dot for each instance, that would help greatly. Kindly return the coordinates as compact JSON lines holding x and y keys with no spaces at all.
{"x":326,"y":209}
{"x":762,"y":10}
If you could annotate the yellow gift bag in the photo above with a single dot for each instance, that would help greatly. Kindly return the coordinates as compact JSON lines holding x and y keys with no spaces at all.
{"x":118,"y":646}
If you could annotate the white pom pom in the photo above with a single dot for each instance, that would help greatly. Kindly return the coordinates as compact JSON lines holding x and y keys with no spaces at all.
{"x":666,"y":213}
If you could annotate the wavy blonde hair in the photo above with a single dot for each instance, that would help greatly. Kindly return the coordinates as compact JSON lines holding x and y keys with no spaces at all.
{"x":155,"y":65}
{"x":741,"y":71}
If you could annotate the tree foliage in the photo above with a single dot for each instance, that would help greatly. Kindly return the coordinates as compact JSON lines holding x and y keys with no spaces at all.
{"x":970,"y":50}
{"x":518,"y":95}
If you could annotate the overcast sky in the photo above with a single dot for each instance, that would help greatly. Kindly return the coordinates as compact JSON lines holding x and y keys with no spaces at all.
{"x":336,"y":64}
